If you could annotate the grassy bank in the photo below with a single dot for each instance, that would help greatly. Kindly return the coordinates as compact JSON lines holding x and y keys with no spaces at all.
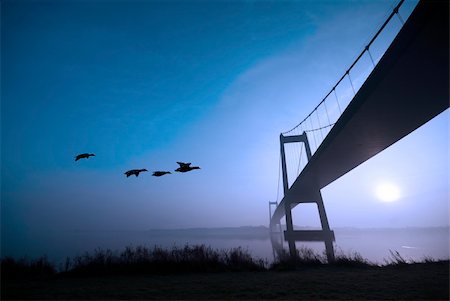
{"x":199,"y":272}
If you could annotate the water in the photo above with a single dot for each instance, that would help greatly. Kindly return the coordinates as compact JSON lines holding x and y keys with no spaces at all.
{"x":372,"y":244}
{"x":411,"y":243}
{"x":376,"y":244}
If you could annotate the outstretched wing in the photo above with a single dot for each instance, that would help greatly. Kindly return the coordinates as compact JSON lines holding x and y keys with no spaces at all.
{"x":80,"y":156}
{"x":184,"y":165}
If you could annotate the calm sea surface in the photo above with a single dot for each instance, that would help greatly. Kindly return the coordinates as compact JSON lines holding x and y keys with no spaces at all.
{"x":373,"y":244}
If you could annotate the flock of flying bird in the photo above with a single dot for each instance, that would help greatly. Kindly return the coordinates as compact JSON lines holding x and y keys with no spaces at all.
{"x":184,"y":167}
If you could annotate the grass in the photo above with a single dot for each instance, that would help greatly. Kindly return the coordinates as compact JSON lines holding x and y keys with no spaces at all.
{"x":352,"y":260}
{"x":141,"y":260}
{"x":200,"y":272}
{"x":138,"y":260}
{"x":40,"y":268}
{"x":307,"y":257}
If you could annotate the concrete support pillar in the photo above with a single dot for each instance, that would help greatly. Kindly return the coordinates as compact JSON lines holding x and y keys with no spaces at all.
{"x":291,"y":236}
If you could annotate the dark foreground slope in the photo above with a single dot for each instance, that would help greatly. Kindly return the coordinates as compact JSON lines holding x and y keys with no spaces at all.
{"x":408,"y":281}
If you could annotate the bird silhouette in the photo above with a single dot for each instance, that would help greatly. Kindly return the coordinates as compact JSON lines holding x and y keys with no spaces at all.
{"x":160,"y":173}
{"x":83,"y":156}
{"x":134,"y":172}
{"x":185,"y":167}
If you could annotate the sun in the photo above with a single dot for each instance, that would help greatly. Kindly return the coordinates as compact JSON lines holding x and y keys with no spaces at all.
{"x":387,"y":192}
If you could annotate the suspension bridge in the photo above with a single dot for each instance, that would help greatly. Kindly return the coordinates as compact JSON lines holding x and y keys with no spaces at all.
{"x":408,"y":86}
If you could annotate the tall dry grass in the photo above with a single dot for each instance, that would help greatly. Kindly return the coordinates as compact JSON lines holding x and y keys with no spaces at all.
{"x":187,"y":259}
{"x":156,"y":260}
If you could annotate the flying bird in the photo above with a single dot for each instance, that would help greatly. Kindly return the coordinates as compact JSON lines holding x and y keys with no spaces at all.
{"x":134,"y":172}
{"x":160,"y":173}
{"x":185,"y":167}
{"x":83,"y":156}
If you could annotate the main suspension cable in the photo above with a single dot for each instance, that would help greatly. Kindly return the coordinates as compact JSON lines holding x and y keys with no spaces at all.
{"x":394,"y":12}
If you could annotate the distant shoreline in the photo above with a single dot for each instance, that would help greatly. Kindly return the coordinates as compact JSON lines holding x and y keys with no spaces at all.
{"x":256,"y":228}
{"x":245,"y":232}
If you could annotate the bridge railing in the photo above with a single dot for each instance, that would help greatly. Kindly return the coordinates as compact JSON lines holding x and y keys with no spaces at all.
{"x":318,"y":123}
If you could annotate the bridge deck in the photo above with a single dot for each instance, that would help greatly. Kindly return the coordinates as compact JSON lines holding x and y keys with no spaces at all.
{"x":408,"y":87}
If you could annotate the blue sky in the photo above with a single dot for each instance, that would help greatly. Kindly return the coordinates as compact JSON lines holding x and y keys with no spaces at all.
{"x":143,"y":84}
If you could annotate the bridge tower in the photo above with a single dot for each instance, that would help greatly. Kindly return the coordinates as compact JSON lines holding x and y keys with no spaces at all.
{"x":273,"y":228}
{"x":290,"y":235}
{"x":275,"y":232}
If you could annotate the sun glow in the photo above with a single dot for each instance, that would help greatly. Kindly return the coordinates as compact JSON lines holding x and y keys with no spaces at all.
{"x":387,"y":192}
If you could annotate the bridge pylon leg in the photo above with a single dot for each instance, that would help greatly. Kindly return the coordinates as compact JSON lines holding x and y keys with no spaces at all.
{"x":329,"y":249}
{"x":290,"y":230}
{"x":325,"y":234}
{"x":290,"y":235}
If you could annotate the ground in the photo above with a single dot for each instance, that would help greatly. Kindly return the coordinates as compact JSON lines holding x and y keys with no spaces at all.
{"x":411,"y":281}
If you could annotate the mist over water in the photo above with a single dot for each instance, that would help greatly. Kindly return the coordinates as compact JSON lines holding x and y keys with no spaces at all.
{"x":372,"y":244}
{"x":375,"y":244}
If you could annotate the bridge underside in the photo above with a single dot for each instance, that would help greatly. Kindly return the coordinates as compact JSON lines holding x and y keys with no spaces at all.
{"x":408,"y":87}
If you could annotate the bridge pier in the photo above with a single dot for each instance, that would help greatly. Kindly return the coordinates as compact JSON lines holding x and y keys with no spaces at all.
{"x":290,"y":235}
